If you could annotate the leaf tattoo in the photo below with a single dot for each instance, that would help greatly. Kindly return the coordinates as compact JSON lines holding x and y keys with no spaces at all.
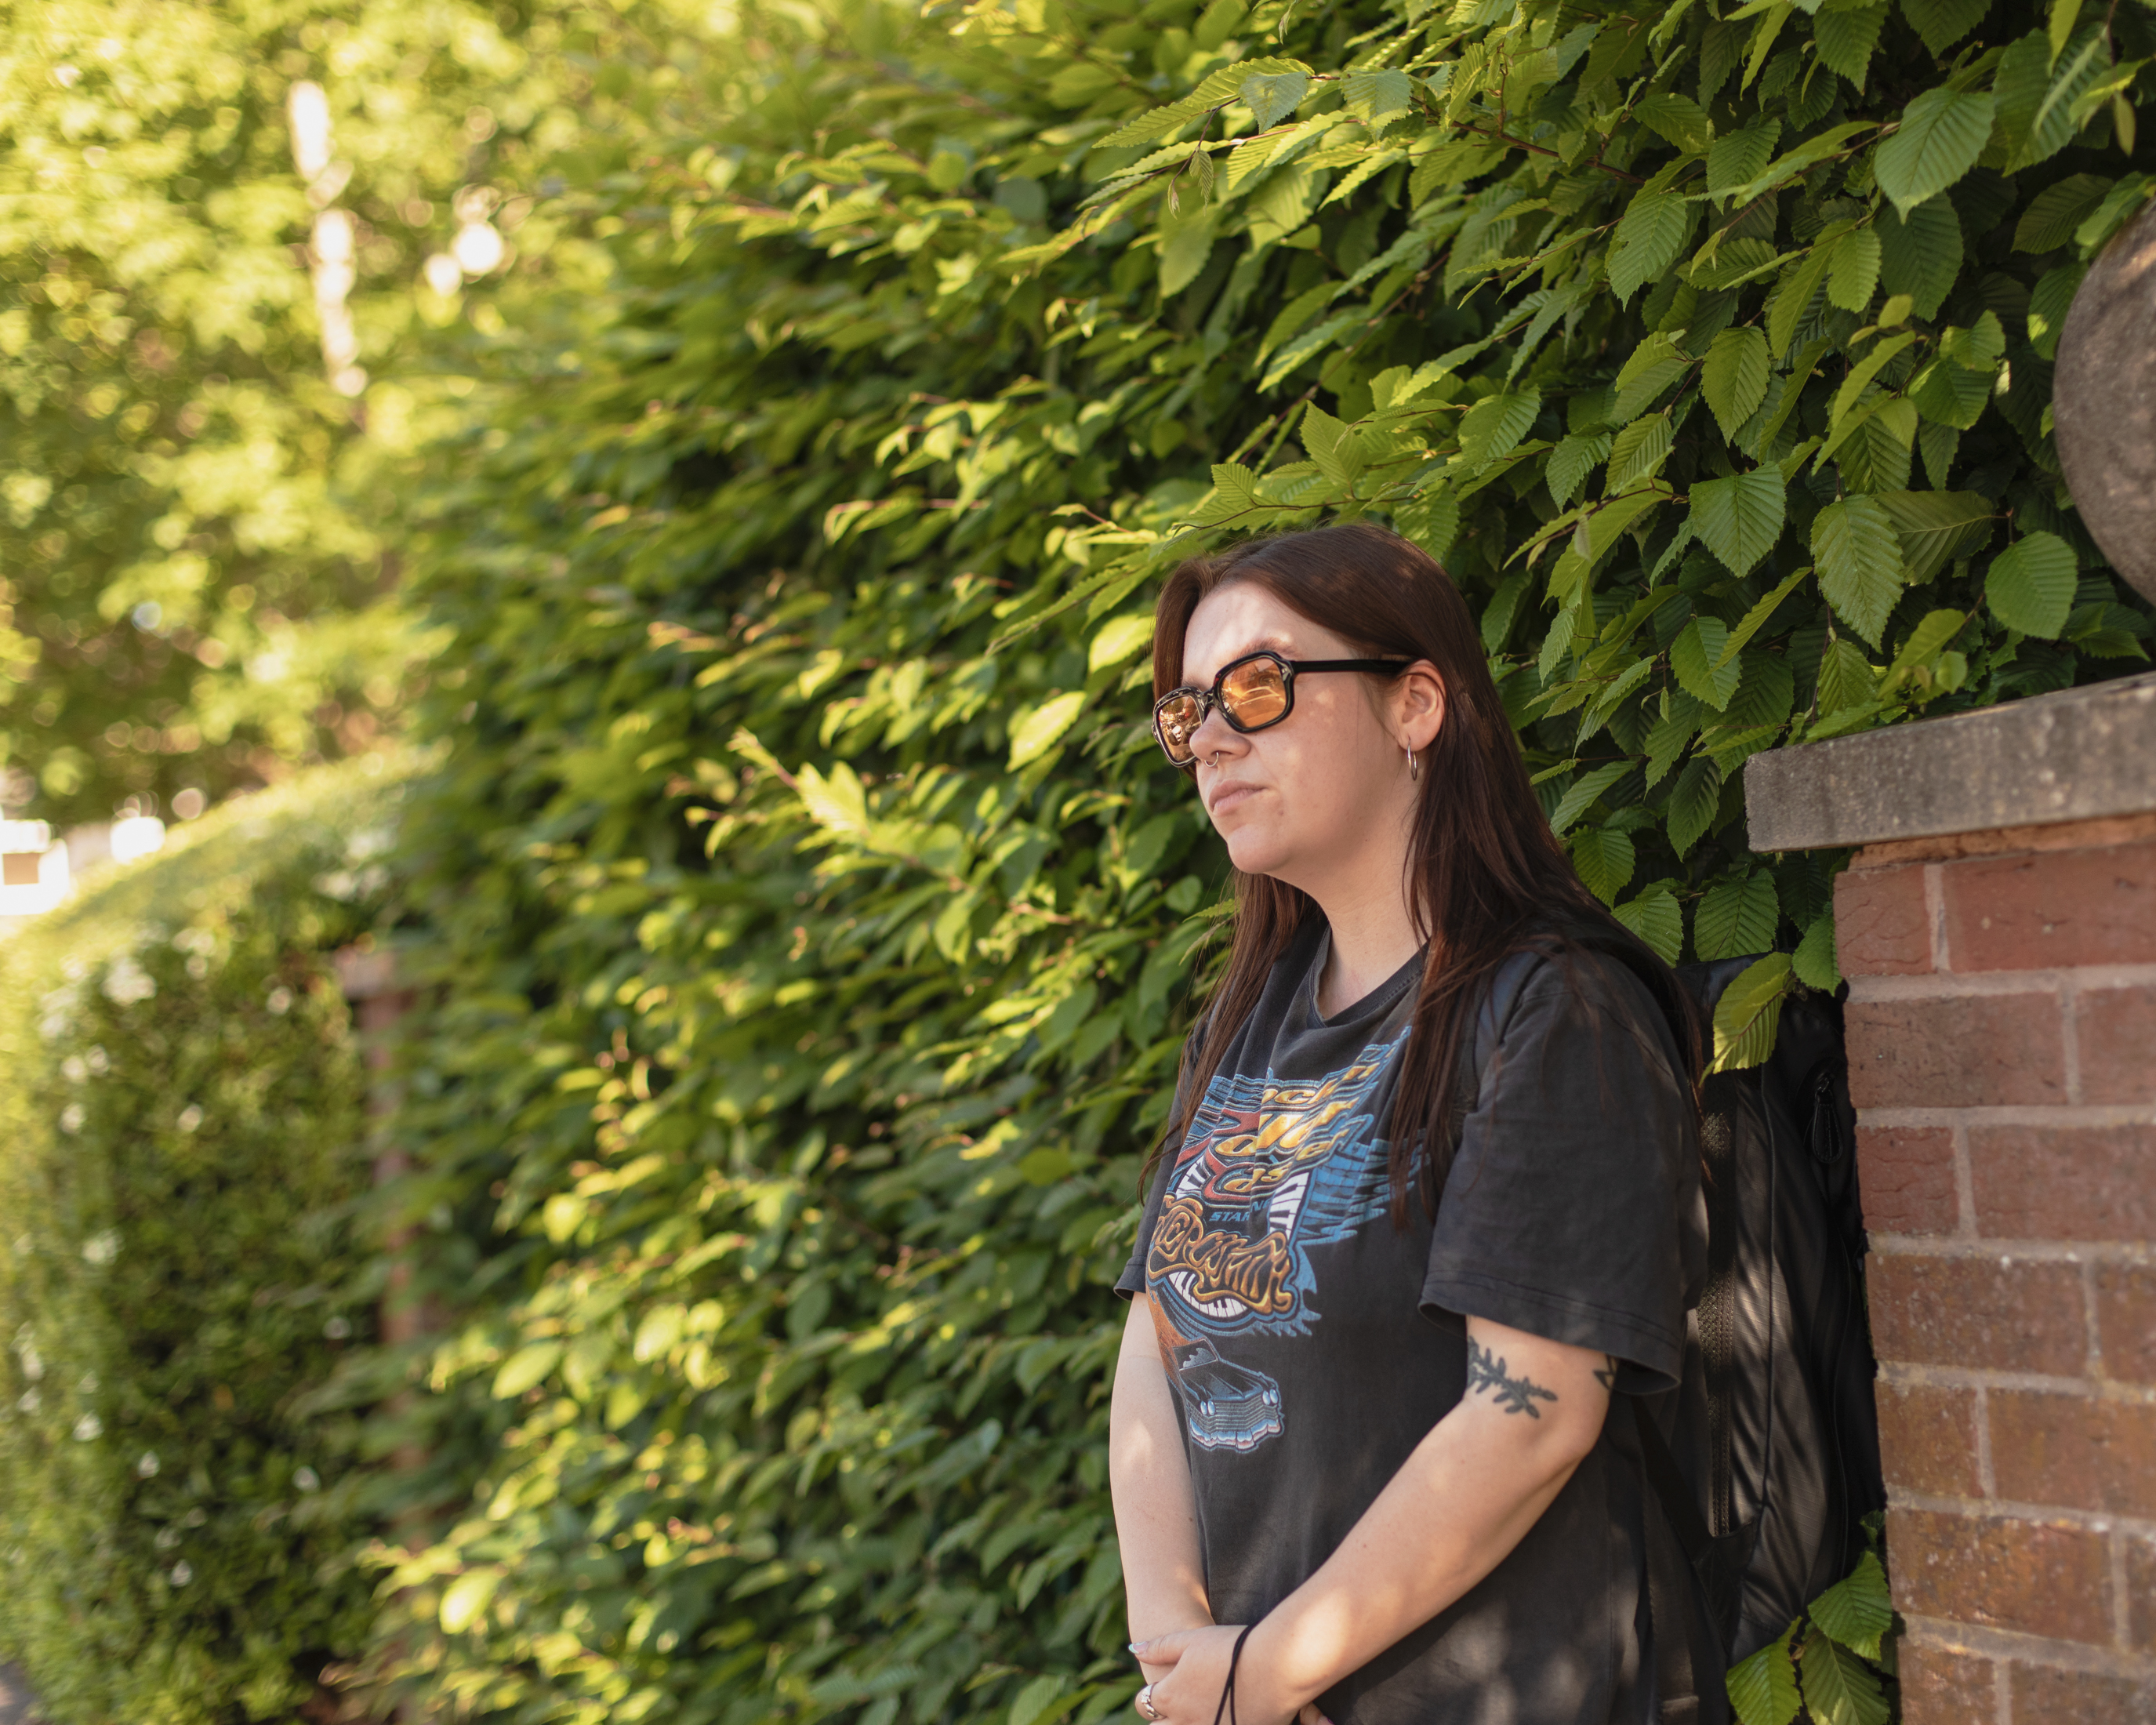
{"x":1515,"y":1395}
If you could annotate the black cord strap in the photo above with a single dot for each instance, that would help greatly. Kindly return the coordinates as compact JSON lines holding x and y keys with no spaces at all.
{"x":1227,"y":1707}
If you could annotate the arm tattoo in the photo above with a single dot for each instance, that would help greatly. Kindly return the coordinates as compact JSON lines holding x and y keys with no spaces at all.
{"x":1515,"y":1395}
{"x":1607,"y":1376}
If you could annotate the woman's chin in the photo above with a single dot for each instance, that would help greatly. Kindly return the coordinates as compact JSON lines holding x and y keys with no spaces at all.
{"x":1257,"y":853}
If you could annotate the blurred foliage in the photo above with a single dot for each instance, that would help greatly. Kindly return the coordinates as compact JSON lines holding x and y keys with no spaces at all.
{"x":197,"y":562}
{"x":817,"y":924}
{"x":182,"y":1106}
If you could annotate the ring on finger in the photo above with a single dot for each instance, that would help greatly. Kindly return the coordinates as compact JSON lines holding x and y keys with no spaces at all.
{"x":1145,"y":1703}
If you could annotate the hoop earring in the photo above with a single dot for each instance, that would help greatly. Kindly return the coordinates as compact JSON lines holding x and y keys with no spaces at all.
{"x":1415,"y":766}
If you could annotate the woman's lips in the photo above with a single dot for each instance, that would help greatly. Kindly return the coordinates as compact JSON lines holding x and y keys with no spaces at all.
{"x":1228,"y":796}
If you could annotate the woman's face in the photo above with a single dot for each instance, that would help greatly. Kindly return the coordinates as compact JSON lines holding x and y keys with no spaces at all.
{"x":1303,"y":801}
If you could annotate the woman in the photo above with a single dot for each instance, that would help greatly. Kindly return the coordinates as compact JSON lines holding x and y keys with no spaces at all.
{"x":1428,"y":1205}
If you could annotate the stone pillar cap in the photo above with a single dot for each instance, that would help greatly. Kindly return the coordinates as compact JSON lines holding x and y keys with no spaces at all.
{"x":2080,"y":754}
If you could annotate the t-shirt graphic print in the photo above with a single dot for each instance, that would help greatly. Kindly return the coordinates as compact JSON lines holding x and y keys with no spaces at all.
{"x":1269,"y":1171}
{"x":1312,"y":1344}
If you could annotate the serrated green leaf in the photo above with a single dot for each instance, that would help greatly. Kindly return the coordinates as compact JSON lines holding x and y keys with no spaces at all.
{"x":1494,"y":427}
{"x":1039,"y":731}
{"x":1696,"y":658}
{"x":2030,"y":585}
{"x":1942,"y":133}
{"x":2054,"y":212}
{"x":1763,"y":1687}
{"x":1656,"y":918}
{"x":1949,"y":394}
{"x":1036,"y":1703}
{"x":1944,"y":23}
{"x":1858,"y":1610}
{"x":1373,"y":94}
{"x":1853,"y":275}
{"x":1571,"y":461}
{"x":1677,"y":118}
{"x":1846,"y":677}
{"x":1605,"y":861}
{"x":1580,"y":795}
{"x":1937,"y":527}
{"x":1920,"y":253}
{"x":1748,"y":1013}
{"x":1737,"y":917}
{"x":1859,"y":561}
{"x":1738,"y":157}
{"x":1695,"y":799}
{"x":1272,"y":96}
{"x":1431,"y":518}
{"x":1504,"y":606}
{"x":1669,"y":736}
{"x":1847,"y":39}
{"x":1815,"y":968}
{"x":1839,"y":1688}
{"x":1734,"y":378}
{"x":1756,"y":619}
{"x":1650,"y":235}
{"x":1792,"y":296}
{"x":2048,"y":305}
{"x":1117,"y":639}
{"x":1638,"y":450}
{"x":1739,"y":518}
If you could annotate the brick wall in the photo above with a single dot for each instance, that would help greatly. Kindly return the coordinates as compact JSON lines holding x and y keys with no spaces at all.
{"x":2002,"y":1028}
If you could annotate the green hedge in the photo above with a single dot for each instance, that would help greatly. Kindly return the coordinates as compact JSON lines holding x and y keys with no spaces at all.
{"x":818,"y":926}
{"x":183,"y":1107}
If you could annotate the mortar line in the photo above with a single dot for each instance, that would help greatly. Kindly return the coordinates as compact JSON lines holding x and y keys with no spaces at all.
{"x":2069,"y":1041}
{"x":1935,"y":916}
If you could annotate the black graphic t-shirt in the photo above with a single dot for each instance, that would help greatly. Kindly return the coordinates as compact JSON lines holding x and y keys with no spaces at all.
{"x":1312,"y":1345}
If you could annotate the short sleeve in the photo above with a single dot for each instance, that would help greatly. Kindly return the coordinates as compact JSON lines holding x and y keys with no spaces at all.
{"x":1573,"y":1209}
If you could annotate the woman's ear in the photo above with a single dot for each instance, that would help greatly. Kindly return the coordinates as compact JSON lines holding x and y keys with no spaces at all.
{"x":1419,"y":704}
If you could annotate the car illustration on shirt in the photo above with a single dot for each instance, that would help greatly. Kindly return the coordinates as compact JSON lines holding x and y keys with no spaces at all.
{"x":1225,"y":1406}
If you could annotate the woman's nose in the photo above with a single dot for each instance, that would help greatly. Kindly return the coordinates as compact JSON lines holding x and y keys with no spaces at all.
{"x":1214,"y":734}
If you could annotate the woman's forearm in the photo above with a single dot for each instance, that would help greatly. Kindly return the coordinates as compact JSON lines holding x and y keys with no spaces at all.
{"x":1149,"y":1479}
{"x":1453,"y":1513}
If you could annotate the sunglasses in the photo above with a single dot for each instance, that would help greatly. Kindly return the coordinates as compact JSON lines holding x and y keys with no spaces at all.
{"x":1253,"y":693}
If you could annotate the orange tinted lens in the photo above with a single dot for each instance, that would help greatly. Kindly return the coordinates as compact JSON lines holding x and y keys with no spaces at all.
{"x":1256,"y":694}
{"x":1177,"y":719}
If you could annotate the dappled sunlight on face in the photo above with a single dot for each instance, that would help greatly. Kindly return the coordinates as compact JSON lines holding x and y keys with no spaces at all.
{"x":1298,"y":801}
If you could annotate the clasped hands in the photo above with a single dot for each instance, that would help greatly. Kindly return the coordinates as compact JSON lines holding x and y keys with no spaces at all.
{"x":1187,"y":1672}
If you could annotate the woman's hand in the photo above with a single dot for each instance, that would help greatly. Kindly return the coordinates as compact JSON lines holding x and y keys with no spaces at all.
{"x":1190,"y":1673}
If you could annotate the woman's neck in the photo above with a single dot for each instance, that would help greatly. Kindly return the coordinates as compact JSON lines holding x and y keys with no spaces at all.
{"x":1373,"y":934}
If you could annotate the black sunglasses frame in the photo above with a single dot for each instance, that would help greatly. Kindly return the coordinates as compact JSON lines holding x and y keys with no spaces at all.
{"x":1209,"y":700}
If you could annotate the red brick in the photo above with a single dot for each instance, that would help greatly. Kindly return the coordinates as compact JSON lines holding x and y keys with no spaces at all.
{"x":1906,"y":1174}
{"x":1927,"y":1439}
{"x":2064,"y":907}
{"x":1962,"y":1051}
{"x":2064,"y":1183}
{"x":2040,"y":1577}
{"x":2047,"y":1695}
{"x":1944,"y":1686}
{"x":2115,"y":1029}
{"x":2023,"y":1316}
{"x":2126,"y":1321}
{"x":1880,"y":927}
{"x":2141,"y":1593}
{"x":2074,"y":1451}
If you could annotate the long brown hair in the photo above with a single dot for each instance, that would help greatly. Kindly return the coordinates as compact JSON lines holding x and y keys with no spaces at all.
{"x":1487,"y":876}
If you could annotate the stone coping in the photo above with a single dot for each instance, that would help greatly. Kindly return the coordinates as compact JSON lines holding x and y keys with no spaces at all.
{"x":2080,"y":754}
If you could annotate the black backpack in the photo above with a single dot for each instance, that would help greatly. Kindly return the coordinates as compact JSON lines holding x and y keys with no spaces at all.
{"x":1776,"y":1460}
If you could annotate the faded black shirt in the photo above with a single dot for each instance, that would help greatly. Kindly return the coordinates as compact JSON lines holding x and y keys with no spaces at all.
{"x":1311,"y":1345}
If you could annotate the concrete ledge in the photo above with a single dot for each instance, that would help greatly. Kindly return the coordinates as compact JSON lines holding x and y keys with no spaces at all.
{"x":2080,"y":754}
